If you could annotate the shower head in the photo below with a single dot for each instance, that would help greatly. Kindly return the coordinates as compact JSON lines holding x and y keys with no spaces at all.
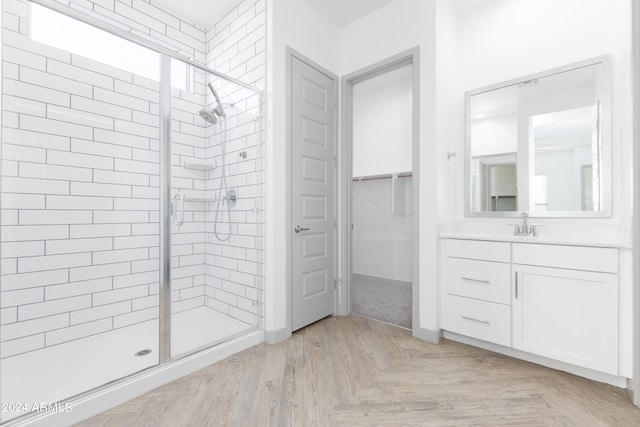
{"x":219,"y":110}
{"x":209,"y":116}
{"x":212,"y":115}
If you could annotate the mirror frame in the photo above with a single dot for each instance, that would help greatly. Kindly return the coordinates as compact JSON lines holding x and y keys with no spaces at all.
{"x":604,"y":130}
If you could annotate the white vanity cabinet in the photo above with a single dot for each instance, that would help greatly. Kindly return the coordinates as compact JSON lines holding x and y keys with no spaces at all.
{"x":554,"y":301}
{"x":477,"y":290}
{"x":565,"y":304}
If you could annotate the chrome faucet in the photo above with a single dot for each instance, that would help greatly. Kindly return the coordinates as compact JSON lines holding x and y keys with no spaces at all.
{"x":525,"y":229}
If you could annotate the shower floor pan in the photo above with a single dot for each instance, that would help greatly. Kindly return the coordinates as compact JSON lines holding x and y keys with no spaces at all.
{"x":62,"y":371}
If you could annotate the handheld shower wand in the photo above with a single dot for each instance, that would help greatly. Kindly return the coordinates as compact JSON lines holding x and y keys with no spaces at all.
{"x":219,"y":109}
{"x":211,"y":116}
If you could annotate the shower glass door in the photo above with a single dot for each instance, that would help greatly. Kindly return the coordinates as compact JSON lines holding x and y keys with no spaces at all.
{"x":214,"y":221}
{"x":80,"y":209}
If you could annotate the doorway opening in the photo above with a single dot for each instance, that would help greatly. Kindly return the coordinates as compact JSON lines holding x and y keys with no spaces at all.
{"x":380,"y":148}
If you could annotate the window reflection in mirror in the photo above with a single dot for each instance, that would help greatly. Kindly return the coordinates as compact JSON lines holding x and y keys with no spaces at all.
{"x":564,"y":153}
{"x":535,"y":144}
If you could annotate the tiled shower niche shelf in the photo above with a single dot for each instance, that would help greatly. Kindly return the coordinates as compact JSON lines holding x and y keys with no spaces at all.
{"x":198,"y":198}
{"x":198,"y":164}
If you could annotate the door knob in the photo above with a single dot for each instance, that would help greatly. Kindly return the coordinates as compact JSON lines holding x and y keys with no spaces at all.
{"x":299,"y":229}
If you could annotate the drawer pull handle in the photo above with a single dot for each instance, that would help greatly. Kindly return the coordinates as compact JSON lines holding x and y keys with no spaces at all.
{"x":484,"y":322}
{"x":486,"y":282}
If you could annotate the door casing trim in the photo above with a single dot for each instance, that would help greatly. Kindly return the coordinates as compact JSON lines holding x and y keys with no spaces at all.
{"x":345,"y":218}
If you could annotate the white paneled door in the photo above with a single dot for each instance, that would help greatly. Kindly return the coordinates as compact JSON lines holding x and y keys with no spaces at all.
{"x":312,"y":194}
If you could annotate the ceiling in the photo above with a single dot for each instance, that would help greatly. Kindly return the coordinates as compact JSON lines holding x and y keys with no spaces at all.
{"x":462,"y":6}
{"x":207,"y":12}
{"x":203,"y":12}
{"x":341,"y":12}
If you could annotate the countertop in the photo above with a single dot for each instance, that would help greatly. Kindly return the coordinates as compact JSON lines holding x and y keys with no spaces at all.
{"x":542,"y":240}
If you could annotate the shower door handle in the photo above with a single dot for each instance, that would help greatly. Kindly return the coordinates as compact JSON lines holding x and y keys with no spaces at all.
{"x":178,"y":208}
{"x":299,"y":229}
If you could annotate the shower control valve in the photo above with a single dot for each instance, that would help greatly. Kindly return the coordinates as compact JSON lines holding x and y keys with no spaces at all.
{"x":231,"y":197}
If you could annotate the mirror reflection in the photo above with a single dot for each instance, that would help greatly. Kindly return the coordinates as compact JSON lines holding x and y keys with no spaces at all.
{"x":565,"y":149}
{"x":495,"y":183}
{"x":535,"y":144}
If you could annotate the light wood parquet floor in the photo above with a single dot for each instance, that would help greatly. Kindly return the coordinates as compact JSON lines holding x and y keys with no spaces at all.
{"x":352,"y":371}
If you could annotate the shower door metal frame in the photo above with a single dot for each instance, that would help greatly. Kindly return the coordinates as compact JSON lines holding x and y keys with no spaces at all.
{"x":635,"y":383}
{"x":164,"y":315}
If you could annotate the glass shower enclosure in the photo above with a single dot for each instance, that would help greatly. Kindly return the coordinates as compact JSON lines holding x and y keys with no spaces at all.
{"x":130,"y":223}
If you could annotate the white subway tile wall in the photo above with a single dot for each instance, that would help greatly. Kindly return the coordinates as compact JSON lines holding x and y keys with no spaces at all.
{"x":187,"y":274}
{"x":71,"y":184}
{"x":80,"y":153}
{"x":235,"y":267}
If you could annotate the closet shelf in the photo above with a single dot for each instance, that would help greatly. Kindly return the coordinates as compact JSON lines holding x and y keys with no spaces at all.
{"x":382,"y":176}
{"x":198,"y":164}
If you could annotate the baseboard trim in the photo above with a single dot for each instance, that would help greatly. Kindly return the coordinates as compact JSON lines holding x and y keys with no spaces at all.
{"x":631,"y":387}
{"x":380,"y":280}
{"x":274,"y":337}
{"x":427,"y":335}
{"x":107,"y":397}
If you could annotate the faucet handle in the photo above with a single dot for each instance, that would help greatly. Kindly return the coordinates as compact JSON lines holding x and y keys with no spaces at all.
{"x":533,"y":229}
{"x":516,"y":229}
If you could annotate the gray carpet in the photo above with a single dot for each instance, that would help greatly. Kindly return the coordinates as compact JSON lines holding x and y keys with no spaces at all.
{"x":382,"y":299}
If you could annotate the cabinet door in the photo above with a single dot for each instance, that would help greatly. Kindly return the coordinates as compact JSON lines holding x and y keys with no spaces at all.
{"x":568,"y":315}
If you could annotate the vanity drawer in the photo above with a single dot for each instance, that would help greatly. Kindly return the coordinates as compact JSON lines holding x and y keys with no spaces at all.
{"x":483,"y":280}
{"x":483,"y":320}
{"x":479,"y":249}
{"x":568,"y":257}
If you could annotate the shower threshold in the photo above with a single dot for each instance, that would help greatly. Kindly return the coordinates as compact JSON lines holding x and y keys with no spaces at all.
{"x":57,"y":373}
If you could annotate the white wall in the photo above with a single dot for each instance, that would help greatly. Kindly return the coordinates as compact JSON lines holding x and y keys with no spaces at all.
{"x":450,"y":127}
{"x":382,"y":144}
{"x":362,"y":43}
{"x":494,"y":135}
{"x":296,"y":24}
{"x":557,"y":166}
{"x":381,"y":240}
{"x":382,"y":123}
{"x":503,"y":39}
{"x":388,"y":31}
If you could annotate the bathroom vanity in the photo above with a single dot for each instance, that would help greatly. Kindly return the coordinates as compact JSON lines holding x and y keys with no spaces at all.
{"x":548,"y":301}
{"x":538,"y":150}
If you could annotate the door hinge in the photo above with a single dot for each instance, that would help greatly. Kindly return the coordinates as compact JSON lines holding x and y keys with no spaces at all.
{"x":334,"y":223}
{"x":336,"y":283}
{"x":334,"y":162}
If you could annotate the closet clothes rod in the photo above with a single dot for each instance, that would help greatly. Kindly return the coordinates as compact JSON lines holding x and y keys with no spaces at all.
{"x":383,"y":176}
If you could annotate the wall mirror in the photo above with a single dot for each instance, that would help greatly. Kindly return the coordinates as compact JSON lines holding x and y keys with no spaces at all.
{"x":541,"y":144}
